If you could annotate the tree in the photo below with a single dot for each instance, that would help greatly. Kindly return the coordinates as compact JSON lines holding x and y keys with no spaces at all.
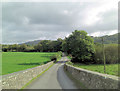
{"x":52,"y":46}
{"x":10,"y":48}
{"x":59,"y":44}
{"x":38,"y":47}
{"x":65,"y":47}
{"x":80,"y":46}
{"x":15,"y":47}
{"x":22,"y":47}
{"x":5,"y":48}
{"x":30,"y":48}
{"x":45,"y":45}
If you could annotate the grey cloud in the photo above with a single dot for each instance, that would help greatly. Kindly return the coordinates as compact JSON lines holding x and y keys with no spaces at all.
{"x":109,"y":22}
{"x":30,"y":21}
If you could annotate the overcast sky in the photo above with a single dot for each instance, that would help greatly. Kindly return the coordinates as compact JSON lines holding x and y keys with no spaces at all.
{"x":22,"y":22}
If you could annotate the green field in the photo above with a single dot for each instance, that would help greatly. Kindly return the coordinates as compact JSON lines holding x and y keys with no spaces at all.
{"x":17,"y":61}
{"x":111,"y":69}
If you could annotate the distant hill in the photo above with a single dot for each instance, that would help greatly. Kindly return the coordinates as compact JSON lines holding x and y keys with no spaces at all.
{"x":32,"y":42}
{"x":111,"y":39}
{"x":108,"y":39}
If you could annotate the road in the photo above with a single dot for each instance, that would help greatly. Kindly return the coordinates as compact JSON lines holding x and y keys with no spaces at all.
{"x":54,"y":78}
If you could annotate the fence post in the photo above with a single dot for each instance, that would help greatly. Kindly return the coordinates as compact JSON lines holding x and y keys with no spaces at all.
{"x":104,"y":56}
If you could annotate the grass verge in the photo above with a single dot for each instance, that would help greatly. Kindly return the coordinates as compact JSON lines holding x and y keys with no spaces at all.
{"x":111,"y":69}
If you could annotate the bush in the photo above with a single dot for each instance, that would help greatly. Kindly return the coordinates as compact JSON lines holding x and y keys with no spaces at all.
{"x":98,"y":55}
{"x":56,"y":56}
{"x":70,"y":63}
{"x":111,"y":54}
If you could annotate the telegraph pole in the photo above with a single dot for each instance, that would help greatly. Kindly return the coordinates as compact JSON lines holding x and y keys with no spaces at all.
{"x":104,"y":56}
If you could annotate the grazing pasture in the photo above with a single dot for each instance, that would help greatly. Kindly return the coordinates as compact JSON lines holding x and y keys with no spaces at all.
{"x":17,"y":61}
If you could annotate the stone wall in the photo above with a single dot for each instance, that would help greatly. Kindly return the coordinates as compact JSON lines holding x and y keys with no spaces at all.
{"x":18,"y":79}
{"x":93,"y":80}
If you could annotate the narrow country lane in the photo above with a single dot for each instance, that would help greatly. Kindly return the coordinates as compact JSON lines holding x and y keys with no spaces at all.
{"x":54,"y":78}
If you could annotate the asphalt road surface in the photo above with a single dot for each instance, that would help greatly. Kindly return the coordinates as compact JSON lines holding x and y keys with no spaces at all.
{"x":54,"y":78}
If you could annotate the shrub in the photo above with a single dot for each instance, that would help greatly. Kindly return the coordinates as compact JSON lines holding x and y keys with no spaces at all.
{"x":111,"y":53}
{"x":98,"y":55}
{"x":56,"y":56}
{"x":53,"y":58}
{"x":70,"y":63}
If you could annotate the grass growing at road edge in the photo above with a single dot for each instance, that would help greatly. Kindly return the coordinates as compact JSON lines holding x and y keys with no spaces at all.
{"x":35,"y":78}
{"x":111,"y":69}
